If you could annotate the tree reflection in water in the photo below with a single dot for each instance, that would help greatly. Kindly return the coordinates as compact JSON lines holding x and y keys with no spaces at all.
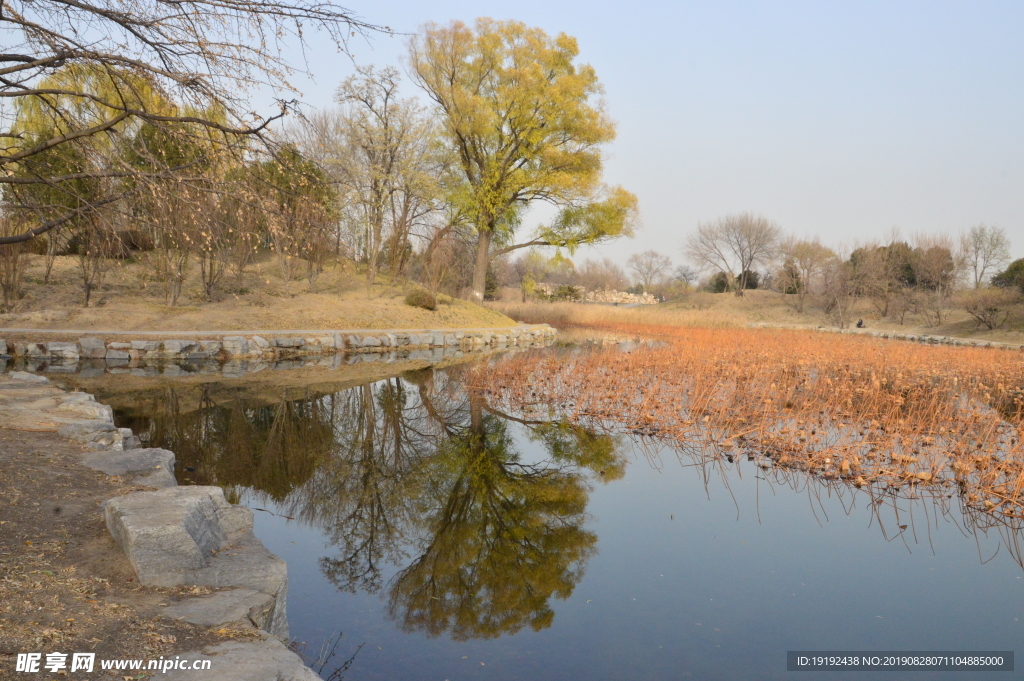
{"x":425,"y":477}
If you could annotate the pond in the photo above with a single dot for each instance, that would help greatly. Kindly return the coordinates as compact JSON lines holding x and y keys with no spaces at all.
{"x":432,"y":534}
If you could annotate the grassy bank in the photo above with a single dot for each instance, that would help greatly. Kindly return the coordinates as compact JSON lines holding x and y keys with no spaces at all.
{"x":132,"y":299}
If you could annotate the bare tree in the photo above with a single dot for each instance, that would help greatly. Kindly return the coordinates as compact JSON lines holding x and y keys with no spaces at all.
{"x":649,"y":267}
{"x":734,"y":244}
{"x":804,"y":261}
{"x":179,"y":66}
{"x":984,"y":250}
{"x":380,"y":151}
{"x":598,"y":275}
{"x":684,"y":274}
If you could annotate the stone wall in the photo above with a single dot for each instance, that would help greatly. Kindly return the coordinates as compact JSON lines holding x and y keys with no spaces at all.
{"x":237,"y":355}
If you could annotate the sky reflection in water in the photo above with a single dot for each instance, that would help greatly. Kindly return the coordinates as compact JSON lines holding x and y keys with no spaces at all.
{"x":452,"y":542}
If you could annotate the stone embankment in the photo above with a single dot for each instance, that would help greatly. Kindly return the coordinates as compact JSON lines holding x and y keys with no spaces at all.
{"x":175,"y":536}
{"x":235,"y":356}
{"x":892,"y":335}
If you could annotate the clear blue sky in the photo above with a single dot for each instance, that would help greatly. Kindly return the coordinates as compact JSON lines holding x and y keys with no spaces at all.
{"x":832,"y":118}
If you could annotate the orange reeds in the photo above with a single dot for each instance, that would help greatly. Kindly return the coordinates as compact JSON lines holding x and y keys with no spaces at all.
{"x":872,"y":413}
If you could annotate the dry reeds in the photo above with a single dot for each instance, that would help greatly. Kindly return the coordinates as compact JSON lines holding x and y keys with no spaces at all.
{"x":873,"y":414}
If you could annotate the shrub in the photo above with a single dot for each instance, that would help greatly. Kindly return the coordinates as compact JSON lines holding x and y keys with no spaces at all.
{"x":421,"y":298}
{"x":990,"y":306}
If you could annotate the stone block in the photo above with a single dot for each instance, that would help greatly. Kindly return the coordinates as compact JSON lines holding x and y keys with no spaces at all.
{"x":210,"y":347}
{"x":92,"y":348}
{"x":117,"y":354}
{"x":371,"y":342}
{"x":450,"y":339}
{"x":392,"y":340}
{"x":325,"y":341}
{"x":260,"y":342}
{"x":37,"y":350}
{"x":83,"y":406}
{"x":28,"y":378}
{"x":179,"y":347}
{"x":235,"y":345}
{"x":172,"y":532}
{"x":143,"y":346}
{"x":151,"y":467}
{"x":224,"y":607}
{"x":268,"y":660}
{"x":355,"y":342}
{"x":288,"y":342}
{"x":339,"y":341}
{"x":437,"y":339}
{"x":3,"y":347}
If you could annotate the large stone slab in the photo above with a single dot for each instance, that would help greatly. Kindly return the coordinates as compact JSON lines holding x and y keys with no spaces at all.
{"x":268,"y":660}
{"x":92,"y":348}
{"x":193,"y":536}
{"x":224,"y":607}
{"x":171,"y":532}
{"x":236,"y":345}
{"x":152,"y":467}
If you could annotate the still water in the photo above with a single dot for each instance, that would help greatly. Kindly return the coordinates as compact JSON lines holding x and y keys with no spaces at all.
{"x":429,"y":536}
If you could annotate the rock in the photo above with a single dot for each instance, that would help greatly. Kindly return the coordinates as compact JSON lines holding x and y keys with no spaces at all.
{"x":287,"y":342}
{"x":3,"y":347}
{"x":235,"y":345}
{"x":224,"y":607}
{"x":37,"y":350}
{"x":151,"y":467}
{"x":141,"y":346}
{"x":100,"y":433}
{"x":325,"y":341}
{"x":371,"y":342}
{"x":92,"y":348}
{"x":355,"y":342}
{"x":268,"y":660}
{"x":26,"y":377}
{"x":260,"y":342}
{"x":339,"y":341}
{"x":179,"y":347}
{"x":117,"y":354}
{"x":210,"y":347}
{"x":83,"y":406}
{"x":169,"y":533}
{"x":437,"y":339}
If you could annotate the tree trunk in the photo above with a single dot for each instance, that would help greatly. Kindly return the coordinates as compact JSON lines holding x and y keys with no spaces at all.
{"x":483,"y":259}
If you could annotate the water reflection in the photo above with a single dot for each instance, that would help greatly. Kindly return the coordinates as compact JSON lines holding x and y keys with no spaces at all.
{"x":417,"y":473}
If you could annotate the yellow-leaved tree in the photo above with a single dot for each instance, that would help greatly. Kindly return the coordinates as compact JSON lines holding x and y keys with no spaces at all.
{"x":526,"y":124}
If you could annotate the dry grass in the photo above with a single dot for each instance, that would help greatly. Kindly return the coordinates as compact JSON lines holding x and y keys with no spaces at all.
{"x":886,"y":417}
{"x":131,"y":299}
{"x":721,"y":310}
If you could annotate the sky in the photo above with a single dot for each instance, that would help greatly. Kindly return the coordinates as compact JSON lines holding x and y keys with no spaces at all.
{"x":837,"y":119}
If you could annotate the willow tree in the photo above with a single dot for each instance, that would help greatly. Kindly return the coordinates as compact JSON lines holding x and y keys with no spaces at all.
{"x":526,"y":124}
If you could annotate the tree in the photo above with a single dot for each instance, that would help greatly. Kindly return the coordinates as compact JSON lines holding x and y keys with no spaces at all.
{"x":520,"y":118}
{"x":734,"y":244}
{"x":649,"y":267}
{"x":601,"y":275}
{"x":684,"y":274}
{"x":990,"y":306}
{"x":1011,"y":277}
{"x":984,"y":249}
{"x":804,"y":262}
{"x":380,"y":150}
{"x":203,"y":54}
